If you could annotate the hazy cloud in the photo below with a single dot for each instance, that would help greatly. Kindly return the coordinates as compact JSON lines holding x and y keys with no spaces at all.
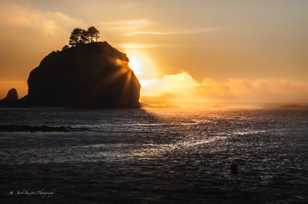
{"x":19,"y":17}
{"x":138,"y":45}
{"x":182,"y":90}
{"x":127,"y":25}
{"x":27,"y":34}
{"x":179,"y":32}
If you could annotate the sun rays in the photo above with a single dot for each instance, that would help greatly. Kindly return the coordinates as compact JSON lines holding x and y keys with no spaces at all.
{"x":142,"y":65}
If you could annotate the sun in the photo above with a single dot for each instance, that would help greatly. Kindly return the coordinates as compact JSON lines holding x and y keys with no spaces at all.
{"x":142,"y":65}
{"x":135,"y":64}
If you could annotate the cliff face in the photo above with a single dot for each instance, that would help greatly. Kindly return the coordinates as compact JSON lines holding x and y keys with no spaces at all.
{"x":93,"y":75}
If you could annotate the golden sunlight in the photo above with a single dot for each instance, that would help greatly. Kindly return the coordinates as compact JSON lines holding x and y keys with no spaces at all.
{"x":159,"y":88}
{"x":142,"y":65}
{"x":135,"y":64}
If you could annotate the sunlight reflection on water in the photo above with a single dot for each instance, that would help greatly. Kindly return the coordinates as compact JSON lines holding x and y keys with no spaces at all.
{"x":159,"y":150}
{"x":163,"y":149}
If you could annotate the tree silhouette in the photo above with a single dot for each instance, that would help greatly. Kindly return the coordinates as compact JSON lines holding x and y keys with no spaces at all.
{"x":80,"y":36}
{"x":75,"y":38}
{"x":93,"y":34}
{"x":84,"y":37}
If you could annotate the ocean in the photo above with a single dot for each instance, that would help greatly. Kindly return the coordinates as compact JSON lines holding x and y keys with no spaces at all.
{"x":153,"y":156}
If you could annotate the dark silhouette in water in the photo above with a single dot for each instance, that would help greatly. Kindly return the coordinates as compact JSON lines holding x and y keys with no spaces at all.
{"x":234,"y":168}
{"x":10,"y":99}
{"x":87,"y":75}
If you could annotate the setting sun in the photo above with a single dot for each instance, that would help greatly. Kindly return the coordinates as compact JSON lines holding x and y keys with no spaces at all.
{"x":154,"y":101}
{"x":135,"y":64}
{"x":142,"y":65}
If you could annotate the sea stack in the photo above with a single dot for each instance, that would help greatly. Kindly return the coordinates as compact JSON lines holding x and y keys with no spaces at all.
{"x":93,"y":75}
{"x":11,"y":98}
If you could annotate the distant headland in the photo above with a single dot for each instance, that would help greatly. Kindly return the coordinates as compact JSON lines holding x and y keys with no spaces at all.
{"x":87,"y":73}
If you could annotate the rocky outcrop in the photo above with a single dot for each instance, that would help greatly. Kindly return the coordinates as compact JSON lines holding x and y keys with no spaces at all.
{"x":94,"y":75}
{"x":11,"y":98}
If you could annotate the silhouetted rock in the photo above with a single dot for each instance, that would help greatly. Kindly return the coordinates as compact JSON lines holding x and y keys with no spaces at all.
{"x":11,"y":98}
{"x":94,"y":75}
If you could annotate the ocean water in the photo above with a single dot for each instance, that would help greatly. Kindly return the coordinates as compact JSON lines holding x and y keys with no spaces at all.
{"x":153,"y":156}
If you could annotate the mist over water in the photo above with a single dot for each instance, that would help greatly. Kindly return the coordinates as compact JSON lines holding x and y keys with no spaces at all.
{"x":155,"y":155}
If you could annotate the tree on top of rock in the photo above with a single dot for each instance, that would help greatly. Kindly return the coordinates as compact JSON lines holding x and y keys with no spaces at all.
{"x":93,"y":34}
{"x":75,"y":38}
{"x":80,"y":36}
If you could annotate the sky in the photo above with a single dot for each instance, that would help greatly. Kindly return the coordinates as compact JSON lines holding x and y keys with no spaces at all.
{"x":215,"y":51}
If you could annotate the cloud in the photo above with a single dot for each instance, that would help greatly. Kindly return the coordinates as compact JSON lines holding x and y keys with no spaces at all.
{"x":258,"y":91}
{"x":20,"y":17}
{"x":170,"y":84}
{"x":182,"y":90}
{"x":28,"y":34}
{"x":139,"y":45}
{"x":137,"y":27}
{"x":178,"y":32}
{"x":177,"y":90}
{"x":128,"y":25}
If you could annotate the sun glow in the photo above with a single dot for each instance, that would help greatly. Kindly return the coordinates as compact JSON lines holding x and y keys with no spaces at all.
{"x":142,"y":65}
{"x":136,"y":64}
{"x":160,"y":88}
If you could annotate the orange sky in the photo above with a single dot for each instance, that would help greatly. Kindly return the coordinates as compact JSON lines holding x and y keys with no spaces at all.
{"x":223,"y":51}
